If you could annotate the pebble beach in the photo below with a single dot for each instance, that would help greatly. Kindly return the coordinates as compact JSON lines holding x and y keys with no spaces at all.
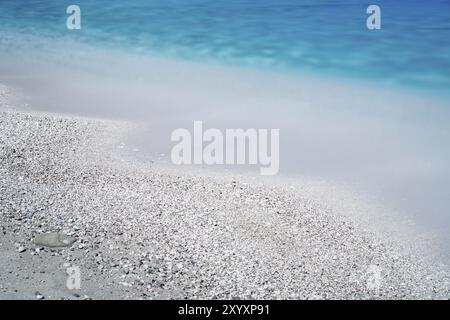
{"x":142,"y":232}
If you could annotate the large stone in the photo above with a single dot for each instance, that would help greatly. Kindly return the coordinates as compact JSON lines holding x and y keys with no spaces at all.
{"x":53,"y":240}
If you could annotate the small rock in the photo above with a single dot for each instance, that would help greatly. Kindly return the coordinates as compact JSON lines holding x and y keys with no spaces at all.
{"x":21,"y":249}
{"x":53,"y":240}
{"x":39,"y":296}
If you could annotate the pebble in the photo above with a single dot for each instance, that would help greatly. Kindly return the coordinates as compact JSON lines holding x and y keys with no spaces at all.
{"x":39,"y":296}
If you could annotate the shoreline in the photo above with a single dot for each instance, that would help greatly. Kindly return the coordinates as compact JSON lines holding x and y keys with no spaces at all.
{"x":144,"y":232}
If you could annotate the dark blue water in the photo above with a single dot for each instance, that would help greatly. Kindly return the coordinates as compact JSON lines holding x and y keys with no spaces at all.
{"x":323,"y":36}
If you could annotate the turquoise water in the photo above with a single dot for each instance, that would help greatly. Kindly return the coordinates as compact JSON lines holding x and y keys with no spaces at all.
{"x":412,"y":48}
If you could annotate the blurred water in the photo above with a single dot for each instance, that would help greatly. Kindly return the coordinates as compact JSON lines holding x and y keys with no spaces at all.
{"x":412,"y":48}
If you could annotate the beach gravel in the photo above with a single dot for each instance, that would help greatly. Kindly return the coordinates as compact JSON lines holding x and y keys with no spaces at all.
{"x":144,"y":233}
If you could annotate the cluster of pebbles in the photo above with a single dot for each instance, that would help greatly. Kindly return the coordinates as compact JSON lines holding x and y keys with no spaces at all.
{"x":142,"y":232}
